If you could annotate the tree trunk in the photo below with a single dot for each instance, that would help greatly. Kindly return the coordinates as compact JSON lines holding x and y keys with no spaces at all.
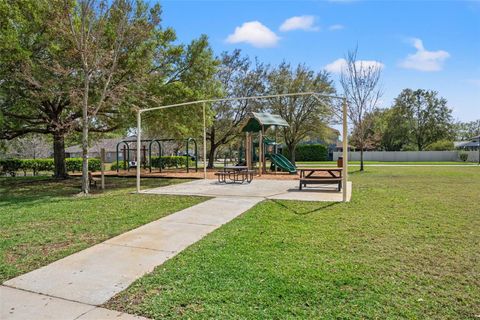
{"x":291,"y":150}
{"x":85,"y":179}
{"x":213,"y":148}
{"x":361,"y":158}
{"x":60,"y":171}
{"x":211,"y":157}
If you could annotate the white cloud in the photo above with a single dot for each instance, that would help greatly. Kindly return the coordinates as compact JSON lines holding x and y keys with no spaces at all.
{"x":339,"y":65}
{"x":335,"y":27}
{"x":306,"y":23}
{"x":424,"y":60}
{"x":475,"y":82}
{"x":254,"y":33}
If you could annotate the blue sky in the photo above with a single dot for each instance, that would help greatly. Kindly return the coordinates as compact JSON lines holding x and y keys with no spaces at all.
{"x":421,"y":44}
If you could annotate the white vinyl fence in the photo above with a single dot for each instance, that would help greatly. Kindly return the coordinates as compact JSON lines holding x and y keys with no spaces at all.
{"x":473,"y":156}
{"x":408,"y":156}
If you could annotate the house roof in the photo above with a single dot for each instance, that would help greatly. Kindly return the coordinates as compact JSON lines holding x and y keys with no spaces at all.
{"x":109,"y":145}
{"x":476,"y":138}
{"x":256,"y":120}
{"x":465,"y":144}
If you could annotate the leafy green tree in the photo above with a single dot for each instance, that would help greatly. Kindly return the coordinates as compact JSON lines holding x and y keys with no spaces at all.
{"x":305,"y":115}
{"x":373,"y":130}
{"x":441,"y":145}
{"x":80,"y":66}
{"x":395,"y":136}
{"x":238,"y":77}
{"x":427,"y":117}
{"x":467,"y":130}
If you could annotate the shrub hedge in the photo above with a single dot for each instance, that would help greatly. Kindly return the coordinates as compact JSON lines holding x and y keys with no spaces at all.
{"x":309,"y":152}
{"x":12,"y":166}
{"x":171,"y":162}
{"x":166,"y":162}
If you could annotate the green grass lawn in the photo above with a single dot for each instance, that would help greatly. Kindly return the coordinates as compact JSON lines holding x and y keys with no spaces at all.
{"x":357,"y":163}
{"x":406,"y":246}
{"x":41,"y":220}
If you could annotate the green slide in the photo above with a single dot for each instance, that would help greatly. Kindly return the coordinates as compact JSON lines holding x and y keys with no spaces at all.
{"x":282,"y":162}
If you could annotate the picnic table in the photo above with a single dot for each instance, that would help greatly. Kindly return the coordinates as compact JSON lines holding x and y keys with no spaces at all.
{"x":233,"y":174}
{"x":320,"y":176}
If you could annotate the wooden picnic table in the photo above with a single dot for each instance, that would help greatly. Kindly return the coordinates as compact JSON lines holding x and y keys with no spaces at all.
{"x":235,"y":168}
{"x":317,"y":176}
{"x":235,"y":174}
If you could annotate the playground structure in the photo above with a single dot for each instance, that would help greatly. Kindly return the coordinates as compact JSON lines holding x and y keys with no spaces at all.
{"x":342,"y":114}
{"x":131,"y":145}
{"x":258,"y":123}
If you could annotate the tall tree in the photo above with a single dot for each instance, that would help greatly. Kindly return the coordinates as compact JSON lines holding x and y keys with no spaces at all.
{"x":29,"y":146}
{"x":33,"y":93}
{"x":238,"y":77}
{"x":61,"y":58}
{"x":372,"y":135}
{"x":467,"y":130}
{"x":396,"y":130}
{"x":305,"y":115}
{"x":361,"y":85}
{"x":427,"y":116}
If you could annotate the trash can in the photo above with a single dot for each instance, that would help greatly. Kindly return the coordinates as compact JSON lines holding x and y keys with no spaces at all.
{"x":340,"y":162}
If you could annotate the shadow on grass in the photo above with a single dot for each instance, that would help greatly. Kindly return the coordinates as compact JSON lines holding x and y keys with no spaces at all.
{"x":355,"y":171}
{"x":294,"y":208}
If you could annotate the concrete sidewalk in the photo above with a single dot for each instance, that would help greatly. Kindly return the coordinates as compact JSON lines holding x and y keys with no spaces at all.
{"x":20,"y":304}
{"x":72,"y":287}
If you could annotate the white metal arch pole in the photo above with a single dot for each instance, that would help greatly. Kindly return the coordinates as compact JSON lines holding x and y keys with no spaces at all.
{"x":204,"y":143}
{"x":139,"y":111}
{"x":139,"y":141}
{"x":345,"y":151}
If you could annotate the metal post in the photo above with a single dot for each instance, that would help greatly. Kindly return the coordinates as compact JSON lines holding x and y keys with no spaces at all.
{"x":204,"y":143}
{"x":187,"y":157}
{"x":260,"y":152}
{"x":139,"y":141}
{"x":345,"y":152}
{"x":102,"y":167}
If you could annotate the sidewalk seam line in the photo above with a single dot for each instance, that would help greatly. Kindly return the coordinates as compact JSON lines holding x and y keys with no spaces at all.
{"x":51,"y":296}
{"x":135,"y":247}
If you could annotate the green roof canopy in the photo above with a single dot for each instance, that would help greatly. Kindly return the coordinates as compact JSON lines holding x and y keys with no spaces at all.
{"x":257,"y":120}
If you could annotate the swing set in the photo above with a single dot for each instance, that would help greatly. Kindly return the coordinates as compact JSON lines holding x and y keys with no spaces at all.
{"x":125,"y":147}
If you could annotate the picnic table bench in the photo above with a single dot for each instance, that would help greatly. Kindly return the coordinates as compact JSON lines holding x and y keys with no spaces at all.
{"x":312,"y":176}
{"x":92,"y":181}
{"x":233,"y":174}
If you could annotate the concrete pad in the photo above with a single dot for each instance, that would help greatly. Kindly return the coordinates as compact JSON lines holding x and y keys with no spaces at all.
{"x":161,"y":235}
{"x":91,"y":276}
{"x":105,"y":314}
{"x":266,"y":189}
{"x":206,"y":187}
{"x":321,"y":193}
{"x":22,"y":305}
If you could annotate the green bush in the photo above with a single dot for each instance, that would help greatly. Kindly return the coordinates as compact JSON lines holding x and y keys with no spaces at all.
{"x":309,"y":152}
{"x":441,"y":145}
{"x":11,"y":166}
{"x":463,"y":156}
{"x":171,"y":162}
{"x":37,"y":165}
{"x":114,"y":165}
{"x":75,"y":164}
